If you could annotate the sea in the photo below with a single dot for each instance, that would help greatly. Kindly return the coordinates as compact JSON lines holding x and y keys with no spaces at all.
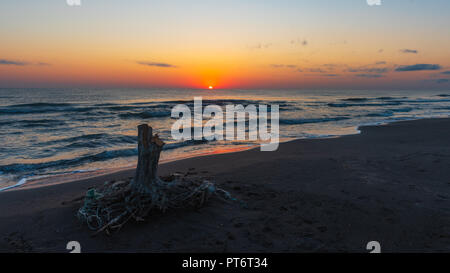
{"x":52,"y":135}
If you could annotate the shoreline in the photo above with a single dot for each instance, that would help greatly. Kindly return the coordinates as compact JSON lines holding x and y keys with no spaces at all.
{"x":389,"y":184}
{"x":69,"y":177}
{"x":24,"y":183}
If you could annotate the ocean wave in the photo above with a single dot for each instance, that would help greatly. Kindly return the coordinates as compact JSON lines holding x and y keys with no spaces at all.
{"x":390,"y":98}
{"x":220,"y":102}
{"x":7,"y":123}
{"x":98,"y":157}
{"x":33,"y":123}
{"x":39,"y":108}
{"x":382,"y":114}
{"x":175,"y":145}
{"x":355,"y":99}
{"x":102,"y":156}
{"x":364,"y":99}
{"x":89,"y":141}
{"x":40,"y":105}
{"x":130,"y":110}
{"x":145,"y":114}
{"x":342,"y":105}
{"x":90,"y":137}
{"x":425,"y":100}
{"x":120,"y":108}
{"x":18,"y":184}
{"x":389,"y":112}
{"x":311,"y":120}
{"x":403,"y":110}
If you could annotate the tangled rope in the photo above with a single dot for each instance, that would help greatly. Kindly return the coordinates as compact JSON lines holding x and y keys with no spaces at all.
{"x":108,"y":208}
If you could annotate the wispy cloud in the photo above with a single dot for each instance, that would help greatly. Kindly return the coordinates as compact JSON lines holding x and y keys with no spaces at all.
{"x":418,"y":67}
{"x":12,"y":62}
{"x":377,"y":70}
{"x":442,"y":81}
{"x":338,"y":42}
{"x":319,"y":70}
{"x":316,"y":70}
{"x":409,"y":51}
{"x":260,"y":46}
{"x":156,"y":64}
{"x":438,"y":81}
{"x":292,"y":66}
{"x":21,"y":63}
{"x":369,"y":75}
{"x":331,"y":66}
{"x":328,"y":70}
{"x":302,"y":42}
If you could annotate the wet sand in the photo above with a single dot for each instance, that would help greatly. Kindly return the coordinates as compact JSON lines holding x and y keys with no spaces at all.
{"x":389,"y":184}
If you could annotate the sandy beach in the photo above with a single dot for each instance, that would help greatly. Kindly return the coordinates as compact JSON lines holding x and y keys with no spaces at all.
{"x":388,"y":184}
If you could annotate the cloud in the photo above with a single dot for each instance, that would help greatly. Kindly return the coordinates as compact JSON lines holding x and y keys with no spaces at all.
{"x":418,"y":67}
{"x":446,"y":73}
{"x":328,"y":69}
{"x":337,"y":43}
{"x":277,"y":65}
{"x":409,"y":51}
{"x":11,"y":62}
{"x":377,"y":70}
{"x":380,"y":63}
{"x":442,"y":81}
{"x":156,"y":64}
{"x":369,"y":75}
{"x":283,"y":66}
{"x":260,"y":46}
{"x":316,"y":70}
{"x":302,"y":42}
{"x":331,"y":66}
{"x":21,"y":63}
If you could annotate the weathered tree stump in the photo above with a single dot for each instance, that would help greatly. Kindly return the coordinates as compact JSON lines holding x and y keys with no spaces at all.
{"x":149,"y":151}
{"x":110,"y":206}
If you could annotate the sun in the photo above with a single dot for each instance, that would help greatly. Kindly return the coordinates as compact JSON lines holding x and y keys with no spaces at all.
{"x":211,"y":87}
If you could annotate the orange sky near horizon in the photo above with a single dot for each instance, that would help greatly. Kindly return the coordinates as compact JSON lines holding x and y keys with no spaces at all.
{"x":272,"y":44}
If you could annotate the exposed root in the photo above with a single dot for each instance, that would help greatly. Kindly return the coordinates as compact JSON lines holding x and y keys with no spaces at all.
{"x":113,"y":205}
{"x":110,"y":207}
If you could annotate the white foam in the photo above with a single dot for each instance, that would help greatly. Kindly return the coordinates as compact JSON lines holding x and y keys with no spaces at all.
{"x":21,"y":182}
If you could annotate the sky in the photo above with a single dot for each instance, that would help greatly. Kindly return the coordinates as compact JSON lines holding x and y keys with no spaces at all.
{"x":230,"y":44}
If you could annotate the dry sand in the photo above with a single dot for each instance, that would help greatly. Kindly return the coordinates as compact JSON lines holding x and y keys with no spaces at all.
{"x":390,"y":184}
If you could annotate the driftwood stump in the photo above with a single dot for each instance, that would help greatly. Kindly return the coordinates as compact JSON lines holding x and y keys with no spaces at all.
{"x":149,"y":151}
{"x":109,"y":207}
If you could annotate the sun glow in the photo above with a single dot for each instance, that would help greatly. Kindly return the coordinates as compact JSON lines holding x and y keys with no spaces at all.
{"x":211,"y":87}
